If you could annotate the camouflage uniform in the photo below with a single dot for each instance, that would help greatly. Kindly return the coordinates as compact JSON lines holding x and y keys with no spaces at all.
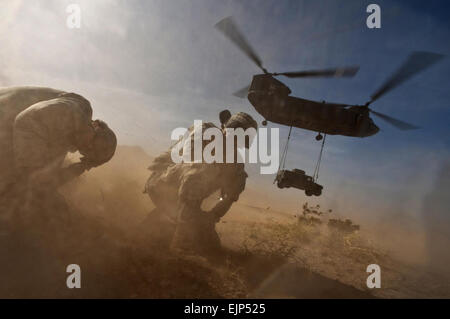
{"x":37,"y":129}
{"x":178,"y":191}
{"x":38,"y":126}
{"x":12,"y":102}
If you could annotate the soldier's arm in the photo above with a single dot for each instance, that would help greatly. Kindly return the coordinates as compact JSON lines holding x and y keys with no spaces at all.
{"x":222,"y":208}
{"x":31,"y":159}
{"x":230,"y":194}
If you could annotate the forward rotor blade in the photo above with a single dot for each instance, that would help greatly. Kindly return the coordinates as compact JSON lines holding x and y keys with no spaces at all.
{"x":242,"y":93}
{"x":337,"y":72}
{"x":229,"y":28}
{"x":416,"y":62}
{"x":394,"y":122}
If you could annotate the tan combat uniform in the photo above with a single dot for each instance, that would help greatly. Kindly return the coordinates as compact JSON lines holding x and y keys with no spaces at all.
{"x":37,"y":128}
{"x":178,"y":191}
{"x":13,"y":101}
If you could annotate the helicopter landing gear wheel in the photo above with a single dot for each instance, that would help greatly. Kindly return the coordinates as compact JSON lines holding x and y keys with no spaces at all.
{"x":319,"y":137}
{"x":264,"y":123}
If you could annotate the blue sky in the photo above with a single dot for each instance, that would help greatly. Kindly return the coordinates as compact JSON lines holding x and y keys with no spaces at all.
{"x":151,"y":66}
{"x":392,"y":168}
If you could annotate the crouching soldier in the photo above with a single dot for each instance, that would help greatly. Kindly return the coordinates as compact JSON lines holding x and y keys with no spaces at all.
{"x":178,"y":190}
{"x":39,"y":126}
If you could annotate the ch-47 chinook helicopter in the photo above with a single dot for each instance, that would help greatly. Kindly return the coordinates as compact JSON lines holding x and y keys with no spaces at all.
{"x":271,"y":98}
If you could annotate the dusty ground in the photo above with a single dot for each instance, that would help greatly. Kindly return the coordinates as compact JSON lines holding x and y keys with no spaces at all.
{"x":268,"y":254}
{"x":327,"y":256}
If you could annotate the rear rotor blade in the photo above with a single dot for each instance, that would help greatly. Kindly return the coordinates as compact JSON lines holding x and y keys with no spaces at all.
{"x":229,"y":28}
{"x":394,"y":122}
{"x":337,"y":72}
{"x":416,"y":62}
{"x":242,"y":93}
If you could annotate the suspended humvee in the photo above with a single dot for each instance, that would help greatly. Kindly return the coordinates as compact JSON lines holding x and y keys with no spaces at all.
{"x":298,"y":179}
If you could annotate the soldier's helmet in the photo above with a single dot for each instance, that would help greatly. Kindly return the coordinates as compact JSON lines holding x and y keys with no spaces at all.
{"x":104,"y":144}
{"x":224,"y":116}
{"x":244,"y":121}
{"x":241,"y":120}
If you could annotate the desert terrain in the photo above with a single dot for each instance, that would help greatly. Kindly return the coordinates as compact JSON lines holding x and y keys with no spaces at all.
{"x":267,"y":253}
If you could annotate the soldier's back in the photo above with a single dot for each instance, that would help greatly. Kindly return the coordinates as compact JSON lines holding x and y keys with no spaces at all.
{"x":13,"y":100}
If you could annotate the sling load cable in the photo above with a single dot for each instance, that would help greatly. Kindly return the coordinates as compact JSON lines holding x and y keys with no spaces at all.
{"x":316,"y":170}
{"x":284,"y":155}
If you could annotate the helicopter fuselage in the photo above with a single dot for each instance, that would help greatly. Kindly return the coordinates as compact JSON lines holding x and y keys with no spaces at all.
{"x":271,"y":99}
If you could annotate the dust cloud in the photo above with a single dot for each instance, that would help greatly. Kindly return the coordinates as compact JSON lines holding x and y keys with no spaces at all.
{"x":101,"y":224}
